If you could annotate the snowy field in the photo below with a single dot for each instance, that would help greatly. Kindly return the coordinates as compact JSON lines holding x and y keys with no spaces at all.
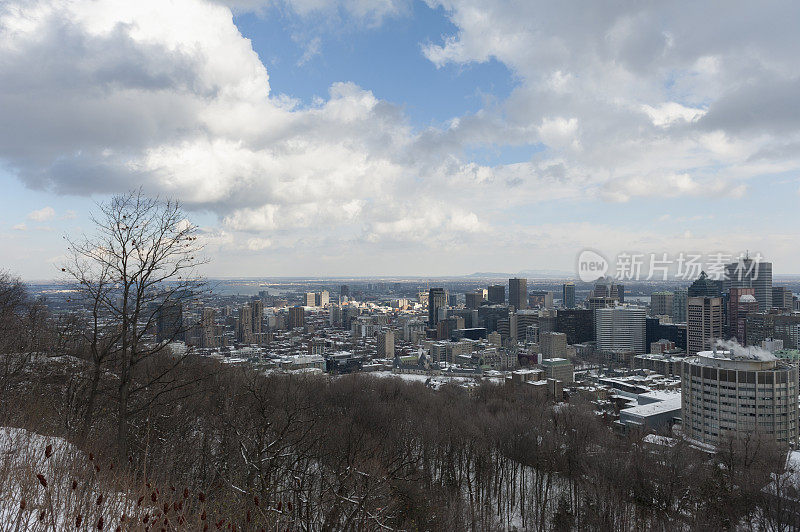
{"x":47,"y":484}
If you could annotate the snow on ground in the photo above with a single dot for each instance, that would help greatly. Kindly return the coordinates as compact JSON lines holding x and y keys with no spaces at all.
{"x":46,"y":483}
{"x":412,"y":377}
{"x":435,"y":381}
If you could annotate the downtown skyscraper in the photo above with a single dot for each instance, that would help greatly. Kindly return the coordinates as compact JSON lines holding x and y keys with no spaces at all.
{"x":437,"y":298}
{"x":518,"y":293}
{"x":568,"y":295}
{"x":749,"y":273}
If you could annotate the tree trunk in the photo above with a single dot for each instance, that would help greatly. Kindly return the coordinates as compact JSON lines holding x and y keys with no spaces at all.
{"x":88,"y":416}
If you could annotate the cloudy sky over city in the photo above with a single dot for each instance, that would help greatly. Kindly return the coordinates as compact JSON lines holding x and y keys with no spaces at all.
{"x":400,"y":137}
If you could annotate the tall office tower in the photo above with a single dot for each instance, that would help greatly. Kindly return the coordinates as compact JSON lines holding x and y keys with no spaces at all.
{"x":518,"y":293}
{"x":787,"y":328}
{"x":489,"y":315}
{"x":596,"y":302}
{"x":740,"y":302}
{"x":310,"y":299}
{"x":726,"y":394}
{"x":553,"y":344}
{"x":474,"y":299}
{"x":335,"y":316}
{"x":344,"y":291}
{"x":469,"y":316}
{"x":577,"y":324}
{"x":704,"y":287}
{"x":321,"y":299}
{"x":386,"y":344}
{"x":497,"y":294}
{"x":547,"y":320}
{"x":782,"y":298}
{"x":621,"y":330}
{"x":244,"y":333}
{"x":504,"y":326}
{"x":257,"y":308}
{"x":760,"y":326}
{"x":349,"y":313}
{"x":618,"y":291}
{"x":679,"y":305}
{"x":507,"y":327}
{"x":601,"y":289}
{"x":524,"y":319}
{"x":541,"y":299}
{"x":208,"y":328}
{"x":605,"y":287}
{"x":748,"y":273}
{"x":513,"y":327}
{"x":661,"y":303}
{"x":437,"y":298}
{"x":568,"y":295}
{"x":297,"y":317}
{"x":446,"y":326}
{"x":169,"y":322}
{"x":703,"y":323}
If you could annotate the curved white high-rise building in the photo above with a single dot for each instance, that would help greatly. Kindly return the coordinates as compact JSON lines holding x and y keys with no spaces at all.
{"x":725,"y":393}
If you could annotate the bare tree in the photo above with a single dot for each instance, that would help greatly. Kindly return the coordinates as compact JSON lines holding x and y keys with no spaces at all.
{"x":19,"y":319}
{"x":134,"y":273}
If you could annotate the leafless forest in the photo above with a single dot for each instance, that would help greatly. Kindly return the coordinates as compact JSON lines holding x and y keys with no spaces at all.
{"x":219,"y":447}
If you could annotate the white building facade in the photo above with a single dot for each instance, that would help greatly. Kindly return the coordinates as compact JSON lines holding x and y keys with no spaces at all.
{"x":726,"y":394}
{"x":620,"y":329}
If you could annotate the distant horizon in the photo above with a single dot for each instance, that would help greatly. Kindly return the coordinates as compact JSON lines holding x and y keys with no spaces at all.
{"x":789,"y":277}
{"x":404,"y":135}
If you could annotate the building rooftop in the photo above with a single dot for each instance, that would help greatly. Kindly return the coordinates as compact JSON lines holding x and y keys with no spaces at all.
{"x":669,"y":404}
{"x":744,"y":358}
{"x":554,"y":361}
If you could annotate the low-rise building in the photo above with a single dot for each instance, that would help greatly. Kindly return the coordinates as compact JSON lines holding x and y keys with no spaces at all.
{"x":558,"y":368}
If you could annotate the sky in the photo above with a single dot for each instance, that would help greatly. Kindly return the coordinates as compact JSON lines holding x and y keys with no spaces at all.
{"x":402,"y":137}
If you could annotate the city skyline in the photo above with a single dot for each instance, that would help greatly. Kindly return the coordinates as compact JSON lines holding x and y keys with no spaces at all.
{"x":399,"y":265}
{"x":404,"y":137}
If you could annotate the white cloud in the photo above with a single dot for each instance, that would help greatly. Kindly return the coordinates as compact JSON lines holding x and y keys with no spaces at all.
{"x":627,"y":101}
{"x":19,"y":227}
{"x":669,"y":186}
{"x":257,"y":244}
{"x":42,"y":215}
{"x":668,"y":113}
{"x":559,"y":132}
{"x":640,"y":91}
{"x":312,"y":49}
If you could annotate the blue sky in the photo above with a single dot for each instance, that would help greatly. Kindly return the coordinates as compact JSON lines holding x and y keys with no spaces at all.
{"x":387,"y":59}
{"x":354,"y":137}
